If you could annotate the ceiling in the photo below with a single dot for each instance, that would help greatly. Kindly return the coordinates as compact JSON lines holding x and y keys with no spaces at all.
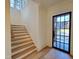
{"x":47,"y":3}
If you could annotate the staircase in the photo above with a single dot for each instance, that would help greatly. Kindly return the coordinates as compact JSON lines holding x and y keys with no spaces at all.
{"x":21,"y":42}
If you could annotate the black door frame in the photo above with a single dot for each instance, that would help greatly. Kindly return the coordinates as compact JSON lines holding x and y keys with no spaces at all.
{"x":69,"y":31}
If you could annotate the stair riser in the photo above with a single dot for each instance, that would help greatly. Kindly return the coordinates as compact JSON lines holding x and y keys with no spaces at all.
{"x":13,"y":39}
{"x":16,"y":29}
{"x":19,"y":32}
{"x":23,"y":46}
{"x":19,"y":35}
{"x":23,"y":52}
{"x":20,"y":42}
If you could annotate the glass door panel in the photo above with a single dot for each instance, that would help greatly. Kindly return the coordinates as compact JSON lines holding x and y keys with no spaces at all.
{"x":62,"y":32}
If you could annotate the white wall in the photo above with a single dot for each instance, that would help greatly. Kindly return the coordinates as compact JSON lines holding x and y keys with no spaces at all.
{"x":7,"y":31}
{"x":15,"y":16}
{"x":33,"y":17}
{"x":38,"y":20}
{"x":42,"y":26}
{"x":58,"y":8}
{"x":30,"y":18}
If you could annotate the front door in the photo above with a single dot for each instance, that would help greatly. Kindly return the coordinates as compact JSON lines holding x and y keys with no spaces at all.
{"x":61,"y":31}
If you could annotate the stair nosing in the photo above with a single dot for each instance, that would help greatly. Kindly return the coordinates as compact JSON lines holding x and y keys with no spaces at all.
{"x":20,"y":45}
{"x":21,"y":50}
{"x":20,"y":32}
{"x":26,"y":54}
{"x":21,"y":37}
{"x":19,"y":41}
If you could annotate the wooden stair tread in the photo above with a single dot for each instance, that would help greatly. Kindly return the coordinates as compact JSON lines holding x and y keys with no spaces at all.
{"x":21,"y":47}
{"x":18,"y":41}
{"x":20,"y":44}
{"x":16,"y":25}
{"x":23,"y":52}
{"x":20,"y":36}
{"x":14,"y":39}
{"x":23,"y":34}
{"x":15,"y":29}
{"x":19,"y":32}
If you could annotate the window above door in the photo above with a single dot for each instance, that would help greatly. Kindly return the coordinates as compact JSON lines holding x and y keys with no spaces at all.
{"x":18,"y":4}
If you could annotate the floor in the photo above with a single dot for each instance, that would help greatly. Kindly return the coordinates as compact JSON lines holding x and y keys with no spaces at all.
{"x":49,"y":53}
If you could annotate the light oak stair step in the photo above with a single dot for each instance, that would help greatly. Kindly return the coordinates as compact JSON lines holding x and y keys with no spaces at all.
{"x":19,"y":37}
{"x":21,"y":52}
{"x":14,"y":29}
{"x":21,"y":34}
{"x":16,"y":33}
{"x":24,"y":55}
{"x":21,"y":47}
{"x":15,"y":46}
{"x":20,"y":41}
{"x":20,"y":28}
{"x":19,"y":31}
{"x":17,"y":26}
{"x":15,"y":39}
{"x":31,"y":56}
{"x":13,"y":42}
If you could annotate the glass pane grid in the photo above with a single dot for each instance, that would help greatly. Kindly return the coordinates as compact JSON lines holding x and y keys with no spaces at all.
{"x":66,"y":47}
{"x":18,"y":4}
{"x":58,"y":44}
{"x":54,"y":44}
{"x":61,"y":27}
{"x":61,"y":46}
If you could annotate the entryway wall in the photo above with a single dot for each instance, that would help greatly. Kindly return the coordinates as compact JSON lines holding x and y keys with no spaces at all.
{"x":38,"y":21}
{"x":7,"y":31}
{"x":60,"y":7}
{"x":34,"y":19}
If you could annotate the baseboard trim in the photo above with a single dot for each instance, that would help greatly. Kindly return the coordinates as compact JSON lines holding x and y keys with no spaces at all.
{"x":43,"y":48}
{"x":71,"y":55}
